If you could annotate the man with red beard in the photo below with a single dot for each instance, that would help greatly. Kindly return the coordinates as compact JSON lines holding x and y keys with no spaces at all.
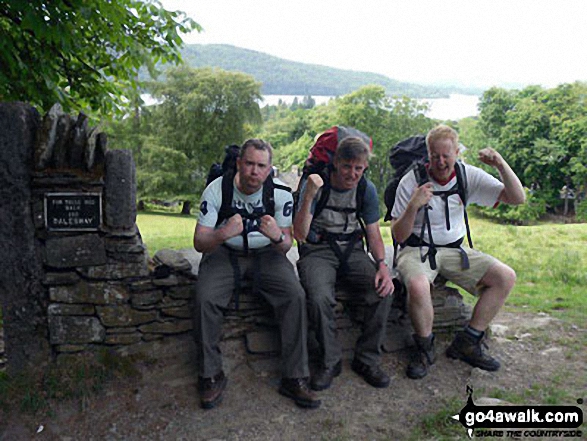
{"x":472,"y":270}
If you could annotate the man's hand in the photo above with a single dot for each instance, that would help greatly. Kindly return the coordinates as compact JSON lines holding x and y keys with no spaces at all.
{"x":314,"y":183}
{"x":233,"y":227}
{"x":269,"y":228}
{"x":421,"y":195}
{"x":383,"y":281}
{"x":490,"y":157}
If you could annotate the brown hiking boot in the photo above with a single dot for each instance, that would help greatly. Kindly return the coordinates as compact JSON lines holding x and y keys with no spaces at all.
{"x":470,"y":349}
{"x":371,"y":374}
{"x":211,"y":390}
{"x":297,"y":389}
{"x":421,"y":356}
{"x":322,"y":378}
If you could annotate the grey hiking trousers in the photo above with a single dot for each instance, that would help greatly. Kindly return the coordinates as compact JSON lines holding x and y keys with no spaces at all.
{"x":318,"y":270}
{"x":277,"y":283}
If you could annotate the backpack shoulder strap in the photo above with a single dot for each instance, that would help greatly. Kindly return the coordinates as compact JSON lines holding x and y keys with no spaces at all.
{"x":268,"y":197}
{"x":227,"y":193}
{"x":462,"y":184}
{"x":360,"y":195}
{"x":269,"y":187}
{"x":462,"y":188}
{"x":325,"y":194}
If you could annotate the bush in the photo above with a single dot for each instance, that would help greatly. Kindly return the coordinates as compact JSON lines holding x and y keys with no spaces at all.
{"x":581,"y":213}
{"x":524,"y":214}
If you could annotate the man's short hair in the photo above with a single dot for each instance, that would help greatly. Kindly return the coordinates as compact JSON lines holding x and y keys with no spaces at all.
{"x":352,"y":148}
{"x":442,"y":132}
{"x":257,"y":144}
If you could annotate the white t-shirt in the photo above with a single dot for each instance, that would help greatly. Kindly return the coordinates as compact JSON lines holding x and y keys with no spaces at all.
{"x":482,"y":189}
{"x":212,"y":200}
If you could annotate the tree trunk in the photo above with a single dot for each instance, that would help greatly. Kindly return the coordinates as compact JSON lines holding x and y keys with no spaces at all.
{"x":141,"y":206}
{"x":186,"y":208}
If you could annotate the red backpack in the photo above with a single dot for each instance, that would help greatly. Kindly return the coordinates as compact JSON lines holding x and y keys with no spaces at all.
{"x":322,"y":152}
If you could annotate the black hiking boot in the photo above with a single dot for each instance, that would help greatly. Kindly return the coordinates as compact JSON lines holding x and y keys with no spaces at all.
{"x":297,"y":389}
{"x":421,"y":356}
{"x":371,"y":374}
{"x":322,"y":378}
{"x":211,"y":390}
{"x":470,"y":349}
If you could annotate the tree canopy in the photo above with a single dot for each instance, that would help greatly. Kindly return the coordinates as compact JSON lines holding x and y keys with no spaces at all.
{"x":199,"y":112}
{"x":84,"y":54}
{"x":542,"y":133}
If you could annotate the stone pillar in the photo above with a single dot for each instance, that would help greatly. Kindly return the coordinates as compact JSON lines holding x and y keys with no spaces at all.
{"x":120,"y":190}
{"x":21,"y":291}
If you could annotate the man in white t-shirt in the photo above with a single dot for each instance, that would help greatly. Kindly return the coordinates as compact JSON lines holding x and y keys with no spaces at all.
{"x":485,"y":276}
{"x":249,"y":241}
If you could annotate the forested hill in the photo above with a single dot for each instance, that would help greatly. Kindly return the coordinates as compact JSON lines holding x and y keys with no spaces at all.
{"x":284,"y":77}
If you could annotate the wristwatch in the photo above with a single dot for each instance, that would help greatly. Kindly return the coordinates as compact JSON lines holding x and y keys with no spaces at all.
{"x":278,"y":241}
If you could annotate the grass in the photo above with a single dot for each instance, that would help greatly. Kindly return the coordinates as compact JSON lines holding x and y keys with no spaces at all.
{"x":161,"y":230}
{"x":549,"y":259}
{"x":70,"y":377}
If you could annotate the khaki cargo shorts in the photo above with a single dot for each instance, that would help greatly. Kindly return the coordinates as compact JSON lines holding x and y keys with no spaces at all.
{"x":449,"y":265}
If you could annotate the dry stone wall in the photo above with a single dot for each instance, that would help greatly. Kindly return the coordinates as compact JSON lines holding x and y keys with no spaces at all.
{"x":82,"y":276}
{"x":75,"y":274}
{"x":102,"y":288}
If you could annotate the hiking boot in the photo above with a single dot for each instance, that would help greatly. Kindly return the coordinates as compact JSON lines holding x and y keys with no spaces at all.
{"x":322,"y":379}
{"x":421,"y":356}
{"x":371,"y":374}
{"x":469,"y":349}
{"x":297,"y":389}
{"x":211,"y":390}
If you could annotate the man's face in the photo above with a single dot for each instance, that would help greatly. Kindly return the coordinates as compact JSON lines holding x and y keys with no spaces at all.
{"x":252,"y":168}
{"x":348,"y":173}
{"x":443,"y":155}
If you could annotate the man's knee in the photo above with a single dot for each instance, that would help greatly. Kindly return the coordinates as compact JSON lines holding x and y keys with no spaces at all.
{"x":500,"y":276}
{"x":418,"y":289}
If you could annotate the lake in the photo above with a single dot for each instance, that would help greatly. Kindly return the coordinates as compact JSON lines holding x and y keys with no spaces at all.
{"x":455,"y":107}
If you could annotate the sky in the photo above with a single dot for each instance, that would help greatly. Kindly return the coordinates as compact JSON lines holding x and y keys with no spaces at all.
{"x":479,"y":43}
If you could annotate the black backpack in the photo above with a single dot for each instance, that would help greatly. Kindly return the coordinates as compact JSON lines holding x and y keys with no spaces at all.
{"x":227,"y":170}
{"x":411,"y":155}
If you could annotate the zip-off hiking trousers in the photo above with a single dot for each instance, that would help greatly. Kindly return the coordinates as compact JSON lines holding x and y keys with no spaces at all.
{"x":276,"y":282}
{"x":318,"y":269}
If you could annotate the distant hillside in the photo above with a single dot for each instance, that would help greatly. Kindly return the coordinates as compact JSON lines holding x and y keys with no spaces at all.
{"x":283,"y":77}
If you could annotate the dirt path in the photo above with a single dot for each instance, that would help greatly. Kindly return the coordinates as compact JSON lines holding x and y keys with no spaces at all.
{"x":540,"y":356}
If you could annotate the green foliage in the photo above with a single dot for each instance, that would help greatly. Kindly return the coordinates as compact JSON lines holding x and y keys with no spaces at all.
{"x":542,"y":134}
{"x":200,"y":111}
{"x":84,"y":55}
{"x":581,"y":213}
{"x":293,"y":154}
{"x":523,"y":214}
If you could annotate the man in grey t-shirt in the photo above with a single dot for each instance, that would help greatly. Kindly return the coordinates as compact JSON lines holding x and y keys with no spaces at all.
{"x":332,"y":250}
{"x":249,"y":243}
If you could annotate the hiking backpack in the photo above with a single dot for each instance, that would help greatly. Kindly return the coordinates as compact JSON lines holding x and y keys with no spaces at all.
{"x":411,"y":155}
{"x":227,"y":170}
{"x":319,"y":162}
